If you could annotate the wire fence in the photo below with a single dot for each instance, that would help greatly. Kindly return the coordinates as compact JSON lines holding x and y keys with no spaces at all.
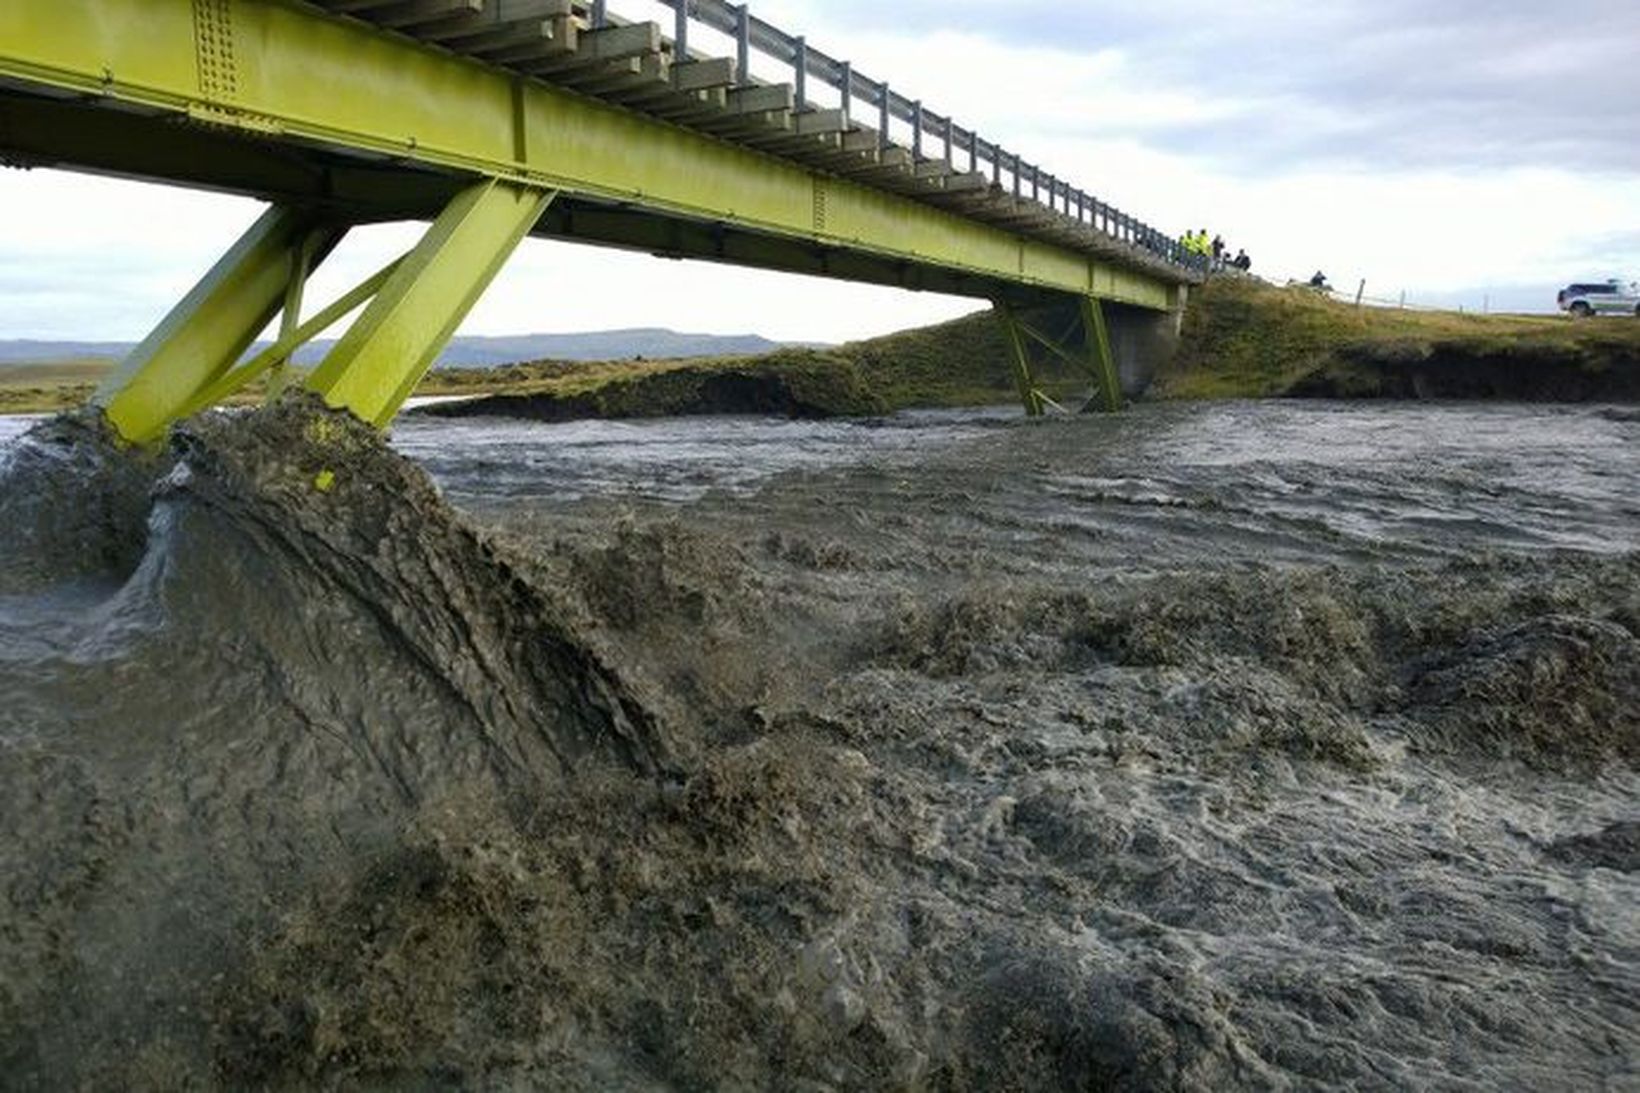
{"x":1360,"y":296}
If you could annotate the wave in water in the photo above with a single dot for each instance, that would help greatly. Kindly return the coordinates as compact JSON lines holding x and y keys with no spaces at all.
{"x":306,"y":781}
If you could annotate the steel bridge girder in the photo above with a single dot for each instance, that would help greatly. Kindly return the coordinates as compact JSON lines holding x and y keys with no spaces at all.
{"x":212,"y":327}
{"x":286,"y":72}
{"x":375,"y":366}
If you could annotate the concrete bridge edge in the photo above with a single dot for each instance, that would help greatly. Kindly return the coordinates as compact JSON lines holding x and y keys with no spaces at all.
{"x":1144,"y":341}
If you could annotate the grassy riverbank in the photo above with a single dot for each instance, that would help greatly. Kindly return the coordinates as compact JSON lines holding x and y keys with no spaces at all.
{"x":958,"y":363}
{"x":1245,"y":339}
{"x":1242,"y":339}
{"x":49,"y":386}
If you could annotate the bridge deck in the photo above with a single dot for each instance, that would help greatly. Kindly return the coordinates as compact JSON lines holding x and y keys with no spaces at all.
{"x":496,"y":118}
{"x":578,"y":44}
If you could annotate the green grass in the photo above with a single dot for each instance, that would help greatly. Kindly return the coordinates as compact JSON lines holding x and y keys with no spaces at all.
{"x":48,"y":386}
{"x":959,"y":363}
{"x":1244,"y":339}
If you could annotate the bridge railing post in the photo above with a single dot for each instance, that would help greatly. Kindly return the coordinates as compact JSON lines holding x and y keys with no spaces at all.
{"x":743,"y":44}
{"x":800,"y":62}
{"x":886,"y":118}
{"x":680,"y":29}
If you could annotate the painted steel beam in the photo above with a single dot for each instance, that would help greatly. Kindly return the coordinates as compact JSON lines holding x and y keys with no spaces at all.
{"x":635,"y":229}
{"x":132,"y":146}
{"x":385,"y":353}
{"x":208,"y":331}
{"x":1019,"y":358}
{"x":285,"y":73}
{"x":292,"y":336}
{"x":153,"y":146}
{"x":1101,"y":361}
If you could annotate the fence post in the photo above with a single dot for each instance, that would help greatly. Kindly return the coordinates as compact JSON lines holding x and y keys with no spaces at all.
{"x":1360,"y":292}
{"x":743,"y":44}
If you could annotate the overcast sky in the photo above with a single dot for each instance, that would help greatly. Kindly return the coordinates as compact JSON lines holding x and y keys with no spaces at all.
{"x":1457,"y":151}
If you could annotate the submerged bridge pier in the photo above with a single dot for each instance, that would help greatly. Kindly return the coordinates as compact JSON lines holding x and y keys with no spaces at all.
{"x":497,"y":119}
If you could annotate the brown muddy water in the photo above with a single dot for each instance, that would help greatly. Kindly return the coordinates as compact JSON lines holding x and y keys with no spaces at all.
{"x":1264,"y":746}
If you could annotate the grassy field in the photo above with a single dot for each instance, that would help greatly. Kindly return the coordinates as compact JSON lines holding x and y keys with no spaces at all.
{"x":1246,"y":339}
{"x":1242,"y":339}
{"x":49,"y":386}
{"x":959,"y":363}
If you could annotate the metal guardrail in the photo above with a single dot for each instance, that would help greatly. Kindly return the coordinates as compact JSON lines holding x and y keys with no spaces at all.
{"x":953,"y":142}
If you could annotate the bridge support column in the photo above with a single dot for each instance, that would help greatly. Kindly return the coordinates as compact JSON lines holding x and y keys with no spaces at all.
{"x":197,"y":344}
{"x":192,"y":359}
{"x":1084,"y":344}
{"x":1100,"y":361}
{"x":379,"y":361}
{"x":1020,"y":359}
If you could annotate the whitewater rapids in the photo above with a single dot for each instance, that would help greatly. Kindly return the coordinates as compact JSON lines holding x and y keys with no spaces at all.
{"x":1263,"y":746}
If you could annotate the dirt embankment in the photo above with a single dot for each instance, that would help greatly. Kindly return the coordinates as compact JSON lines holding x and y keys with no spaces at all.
{"x":1243,"y":339}
{"x":797,"y":388}
{"x":960,"y":363}
{"x":1529,"y":370}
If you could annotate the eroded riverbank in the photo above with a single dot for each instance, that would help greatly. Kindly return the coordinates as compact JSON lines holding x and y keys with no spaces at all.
{"x":1246,"y":339}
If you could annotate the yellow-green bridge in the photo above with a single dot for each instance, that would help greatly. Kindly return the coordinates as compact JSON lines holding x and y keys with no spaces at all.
{"x":497,"y":119}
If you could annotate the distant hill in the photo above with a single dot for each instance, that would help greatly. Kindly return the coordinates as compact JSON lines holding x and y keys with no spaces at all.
{"x":463,"y":352}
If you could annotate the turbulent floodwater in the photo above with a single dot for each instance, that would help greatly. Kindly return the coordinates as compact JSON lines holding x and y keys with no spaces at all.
{"x":1267,"y":745}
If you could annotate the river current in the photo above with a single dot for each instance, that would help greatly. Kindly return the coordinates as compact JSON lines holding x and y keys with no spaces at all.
{"x":1310,"y":478}
{"x":1244,"y":745}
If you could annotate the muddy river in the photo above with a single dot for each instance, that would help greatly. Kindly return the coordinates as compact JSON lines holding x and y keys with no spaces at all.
{"x":1235,"y":746}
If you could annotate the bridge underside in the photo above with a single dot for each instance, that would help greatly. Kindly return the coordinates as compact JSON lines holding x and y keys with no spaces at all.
{"x":42,"y":132}
{"x":337,"y":123}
